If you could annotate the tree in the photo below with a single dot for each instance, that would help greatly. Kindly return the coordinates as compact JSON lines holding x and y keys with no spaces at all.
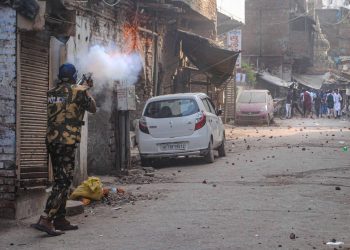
{"x":250,"y":74}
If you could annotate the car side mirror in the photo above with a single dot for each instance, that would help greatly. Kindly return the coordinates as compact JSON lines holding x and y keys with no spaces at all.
{"x":218,"y":112}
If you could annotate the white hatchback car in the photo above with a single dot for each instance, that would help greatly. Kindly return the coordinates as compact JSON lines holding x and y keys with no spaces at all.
{"x":180,"y":125}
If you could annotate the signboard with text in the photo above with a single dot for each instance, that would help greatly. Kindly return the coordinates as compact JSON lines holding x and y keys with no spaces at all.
{"x":234,"y":43}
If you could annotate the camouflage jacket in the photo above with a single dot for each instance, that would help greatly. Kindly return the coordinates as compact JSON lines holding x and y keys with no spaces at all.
{"x":67,"y":104}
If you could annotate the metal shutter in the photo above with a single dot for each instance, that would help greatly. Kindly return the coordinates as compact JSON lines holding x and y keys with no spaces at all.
{"x":32,"y":157}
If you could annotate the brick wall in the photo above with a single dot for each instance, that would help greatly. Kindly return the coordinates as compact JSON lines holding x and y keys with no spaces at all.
{"x":206,"y":8}
{"x":7,"y":111}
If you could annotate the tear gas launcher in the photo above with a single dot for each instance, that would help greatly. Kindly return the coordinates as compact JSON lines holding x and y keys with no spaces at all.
{"x":85,"y":78}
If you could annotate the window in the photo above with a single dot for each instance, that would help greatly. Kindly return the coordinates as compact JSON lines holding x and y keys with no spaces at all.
{"x":207,"y":106}
{"x":171,"y":108}
{"x":252,"y":97}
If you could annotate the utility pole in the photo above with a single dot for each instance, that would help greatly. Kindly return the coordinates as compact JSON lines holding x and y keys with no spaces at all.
{"x":156,"y":87}
{"x":260,"y":39}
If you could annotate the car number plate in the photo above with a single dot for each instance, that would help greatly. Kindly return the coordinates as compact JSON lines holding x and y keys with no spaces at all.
{"x":173,"y":146}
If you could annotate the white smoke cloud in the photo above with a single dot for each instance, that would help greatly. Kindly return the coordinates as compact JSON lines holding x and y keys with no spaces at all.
{"x":110,"y":65}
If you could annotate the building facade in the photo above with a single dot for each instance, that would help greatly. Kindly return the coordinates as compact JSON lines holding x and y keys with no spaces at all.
{"x":278,"y":36}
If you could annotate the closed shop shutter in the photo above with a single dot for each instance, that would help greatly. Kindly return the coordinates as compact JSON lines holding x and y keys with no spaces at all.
{"x":32,"y":157}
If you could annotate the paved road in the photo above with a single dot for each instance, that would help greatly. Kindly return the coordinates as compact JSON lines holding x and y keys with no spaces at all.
{"x":274,"y":182}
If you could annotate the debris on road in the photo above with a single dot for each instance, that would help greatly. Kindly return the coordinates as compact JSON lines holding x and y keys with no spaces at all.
{"x":142,"y":176}
{"x":292,"y":236}
{"x":337,"y":188}
{"x":335,"y":243}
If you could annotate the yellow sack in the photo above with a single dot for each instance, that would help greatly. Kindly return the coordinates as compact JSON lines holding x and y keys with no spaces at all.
{"x":90,"y":189}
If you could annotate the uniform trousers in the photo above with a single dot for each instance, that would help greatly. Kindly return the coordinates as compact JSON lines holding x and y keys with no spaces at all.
{"x":63,"y":159}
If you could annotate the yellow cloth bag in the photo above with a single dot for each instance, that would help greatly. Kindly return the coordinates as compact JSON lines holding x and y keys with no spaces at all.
{"x":90,"y":189}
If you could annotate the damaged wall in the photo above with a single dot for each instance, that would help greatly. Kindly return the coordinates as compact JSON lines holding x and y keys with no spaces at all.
{"x":99,"y":148}
{"x":7,"y":111}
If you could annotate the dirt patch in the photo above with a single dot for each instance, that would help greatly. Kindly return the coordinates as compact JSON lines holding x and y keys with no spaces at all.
{"x":143,"y":176}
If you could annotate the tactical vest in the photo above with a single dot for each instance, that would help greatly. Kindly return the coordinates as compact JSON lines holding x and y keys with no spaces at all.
{"x":66,"y":108}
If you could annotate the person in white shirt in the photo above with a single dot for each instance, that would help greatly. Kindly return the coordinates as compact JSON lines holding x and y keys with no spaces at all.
{"x":337,"y":104}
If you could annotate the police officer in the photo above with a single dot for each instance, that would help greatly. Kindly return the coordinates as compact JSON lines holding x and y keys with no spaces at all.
{"x":67,"y":103}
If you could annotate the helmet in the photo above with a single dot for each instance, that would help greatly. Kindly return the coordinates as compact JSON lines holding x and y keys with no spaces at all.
{"x":67,"y":72}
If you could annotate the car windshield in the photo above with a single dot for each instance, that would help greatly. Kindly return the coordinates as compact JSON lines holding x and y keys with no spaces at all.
{"x":252,"y":97}
{"x":171,"y":108}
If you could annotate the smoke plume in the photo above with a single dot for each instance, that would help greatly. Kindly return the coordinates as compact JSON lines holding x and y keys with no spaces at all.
{"x":109,"y":65}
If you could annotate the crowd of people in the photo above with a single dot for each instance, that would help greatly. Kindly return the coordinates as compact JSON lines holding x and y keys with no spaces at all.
{"x":312,"y":102}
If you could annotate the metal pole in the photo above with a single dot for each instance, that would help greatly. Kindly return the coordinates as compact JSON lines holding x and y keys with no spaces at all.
{"x":156,"y":88}
{"x":127,"y":139}
{"x":122,"y":135}
{"x":234,"y":94}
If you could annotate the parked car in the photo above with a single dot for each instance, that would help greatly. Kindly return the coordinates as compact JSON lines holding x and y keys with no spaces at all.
{"x":254,"y":106}
{"x":180,"y":125}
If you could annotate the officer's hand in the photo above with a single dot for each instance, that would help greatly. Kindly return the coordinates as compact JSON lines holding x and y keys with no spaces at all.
{"x":90,"y":83}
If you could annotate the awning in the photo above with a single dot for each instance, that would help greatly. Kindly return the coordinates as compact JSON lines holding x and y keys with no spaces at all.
{"x":267,"y":77}
{"x":216,"y":62}
{"x":311,"y":81}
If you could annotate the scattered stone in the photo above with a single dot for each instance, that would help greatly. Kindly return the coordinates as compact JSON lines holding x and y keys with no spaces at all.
{"x":174,"y":174}
{"x":179,"y":171}
{"x":148,"y":169}
{"x":138,"y":188}
{"x":242,"y":177}
{"x":204,"y":182}
{"x":233,"y":163}
{"x":248,"y":147}
{"x":271,"y":137}
{"x":279,"y":245}
{"x":74,"y":207}
{"x":149,"y":174}
{"x":214,"y":185}
{"x":251,"y":160}
{"x":337,"y":188}
{"x":303,"y":149}
{"x":292,"y":236}
{"x":273,"y":156}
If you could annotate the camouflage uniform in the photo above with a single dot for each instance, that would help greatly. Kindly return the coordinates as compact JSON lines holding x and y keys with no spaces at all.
{"x":67,"y":104}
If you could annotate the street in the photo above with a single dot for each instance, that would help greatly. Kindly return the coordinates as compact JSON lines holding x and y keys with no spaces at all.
{"x":280,"y":187}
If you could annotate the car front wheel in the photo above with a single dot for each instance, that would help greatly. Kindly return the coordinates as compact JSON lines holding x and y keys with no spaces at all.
{"x":209,"y":157}
{"x":145,"y":162}
{"x":221,"y":149}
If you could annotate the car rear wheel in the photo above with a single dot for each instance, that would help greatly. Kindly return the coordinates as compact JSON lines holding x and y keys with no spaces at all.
{"x":145,"y":162}
{"x":221,"y":149}
{"x":209,"y":158}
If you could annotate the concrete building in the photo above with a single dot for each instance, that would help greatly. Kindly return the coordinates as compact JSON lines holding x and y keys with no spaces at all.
{"x":335,"y":24}
{"x":278,"y":36}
